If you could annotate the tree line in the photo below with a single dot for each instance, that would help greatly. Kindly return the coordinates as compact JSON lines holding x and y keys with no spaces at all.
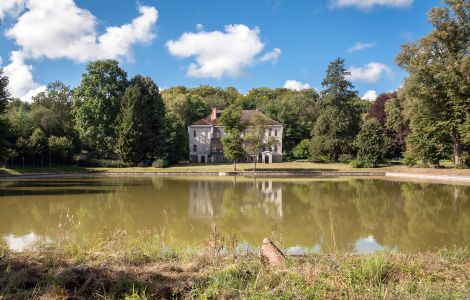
{"x":109,"y":115}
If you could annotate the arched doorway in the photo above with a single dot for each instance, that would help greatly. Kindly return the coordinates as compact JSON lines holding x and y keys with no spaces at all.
{"x":203,"y":158}
{"x":266,"y":159}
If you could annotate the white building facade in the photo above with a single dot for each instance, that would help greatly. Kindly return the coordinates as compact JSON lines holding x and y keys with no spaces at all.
{"x":205,"y":134}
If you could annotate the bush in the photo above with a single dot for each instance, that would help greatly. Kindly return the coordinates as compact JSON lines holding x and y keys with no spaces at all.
{"x":302,"y":150}
{"x":356,"y":164}
{"x":409,"y":160}
{"x":103,"y":163}
{"x":160,"y":163}
{"x":345,"y":158}
{"x":372,"y":145}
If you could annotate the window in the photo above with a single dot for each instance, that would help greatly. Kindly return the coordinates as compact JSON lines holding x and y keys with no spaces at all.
{"x":275,"y":132}
{"x":275,"y":148}
{"x":194,"y":148}
{"x":270,"y":132}
{"x":194,"y":134}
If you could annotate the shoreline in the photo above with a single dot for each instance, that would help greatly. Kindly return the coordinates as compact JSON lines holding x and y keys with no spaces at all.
{"x":261,"y":173}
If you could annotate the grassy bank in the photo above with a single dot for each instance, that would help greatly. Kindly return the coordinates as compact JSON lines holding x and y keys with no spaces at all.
{"x":285,"y":166}
{"x":121,"y":267}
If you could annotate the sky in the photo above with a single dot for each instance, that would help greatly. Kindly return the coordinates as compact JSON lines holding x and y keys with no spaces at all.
{"x":243,"y":43}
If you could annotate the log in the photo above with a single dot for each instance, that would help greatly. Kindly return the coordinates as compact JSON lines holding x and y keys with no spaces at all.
{"x":270,"y":254}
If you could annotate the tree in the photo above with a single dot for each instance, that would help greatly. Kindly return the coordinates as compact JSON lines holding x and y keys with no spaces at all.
{"x":97,"y":102}
{"x":255,"y":138}
{"x":51,"y":110}
{"x":302,"y":150}
{"x":372,"y":144}
{"x":141,"y":129}
{"x":396,"y":125}
{"x":232,"y":140}
{"x":38,"y":144}
{"x":339,"y":117}
{"x":439,"y":81}
{"x":60,"y":148}
{"x":4,"y":98}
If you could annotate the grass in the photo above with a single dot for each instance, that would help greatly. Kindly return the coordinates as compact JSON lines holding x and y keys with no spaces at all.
{"x":119,"y":266}
{"x":448,"y":169}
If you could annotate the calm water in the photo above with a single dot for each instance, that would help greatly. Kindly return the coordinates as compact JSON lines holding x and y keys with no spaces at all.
{"x":360,"y":215}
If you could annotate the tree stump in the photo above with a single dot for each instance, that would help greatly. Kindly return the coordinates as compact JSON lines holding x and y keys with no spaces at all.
{"x":270,"y":254}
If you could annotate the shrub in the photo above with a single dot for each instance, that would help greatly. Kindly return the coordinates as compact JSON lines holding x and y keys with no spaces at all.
{"x":345,"y":158}
{"x":372,"y":144}
{"x":409,"y":160}
{"x":160,"y":163}
{"x":302,"y":151}
{"x":103,"y":163}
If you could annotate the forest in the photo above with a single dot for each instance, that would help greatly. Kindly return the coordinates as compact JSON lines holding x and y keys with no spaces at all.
{"x":120,"y":121}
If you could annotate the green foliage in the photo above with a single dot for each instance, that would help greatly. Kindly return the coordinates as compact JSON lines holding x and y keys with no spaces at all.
{"x":409,"y":159}
{"x":4,"y":98}
{"x":232,"y":140}
{"x":141,"y":129}
{"x":437,"y":90}
{"x":302,"y":150}
{"x":97,"y":102}
{"x":38,"y":143}
{"x":372,"y":145}
{"x":160,"y":163}
{"x":255,"y":140}
{"x":59,"y":147}
{"x":339,"y":115}
{"x":103,"y":163}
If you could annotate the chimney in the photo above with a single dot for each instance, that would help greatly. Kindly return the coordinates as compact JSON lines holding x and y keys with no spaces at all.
{"x":214,"y":114}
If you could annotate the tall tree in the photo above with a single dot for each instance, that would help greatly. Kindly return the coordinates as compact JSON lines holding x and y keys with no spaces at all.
{"x":372,"y":144}
{"x":339,"y":116}
{"x":141,"y":130}
{"x":232,"y":140}
{"x":96,"y":104}
{"x":439,"y":81}
{"x":255,"y":138}
{"x":4,"y":98}
{"x":51,"y":110}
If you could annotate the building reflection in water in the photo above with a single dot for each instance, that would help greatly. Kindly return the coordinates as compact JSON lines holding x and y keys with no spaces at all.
{"x":262,"y":196}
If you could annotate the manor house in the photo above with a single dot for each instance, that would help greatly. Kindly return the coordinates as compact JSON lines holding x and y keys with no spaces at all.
{"x":205,"y":145}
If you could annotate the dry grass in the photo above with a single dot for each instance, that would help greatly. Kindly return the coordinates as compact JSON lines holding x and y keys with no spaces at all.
{"x":118,"y":266}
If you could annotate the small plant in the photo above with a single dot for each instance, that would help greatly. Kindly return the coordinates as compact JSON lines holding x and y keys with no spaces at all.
{"x":409,"y":160}
{"x":160,"y":163}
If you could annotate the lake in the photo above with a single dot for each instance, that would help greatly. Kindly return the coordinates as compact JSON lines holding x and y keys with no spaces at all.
{"x":314,"y":215}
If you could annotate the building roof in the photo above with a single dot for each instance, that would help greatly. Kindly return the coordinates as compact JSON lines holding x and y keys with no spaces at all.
{"x":247,"y":116}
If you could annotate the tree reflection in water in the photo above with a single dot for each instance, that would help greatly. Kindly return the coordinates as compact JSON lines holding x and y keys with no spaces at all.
{"x":324,"y":214}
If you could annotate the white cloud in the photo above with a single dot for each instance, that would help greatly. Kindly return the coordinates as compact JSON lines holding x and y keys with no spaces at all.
{"x":368,"y":4}
{"x":271,"y":56}
{"x":361,"y":46}
{"x":199,"y":27}
{"x":20,"y":75}
{"x":370,"y":95}
{"x":296,"y":85}
{"x":369,"y":73}
{"x":12,"y":7}
{"x":59,"y":29}
{"x":54,"y":29}
{"x":217,"y":53}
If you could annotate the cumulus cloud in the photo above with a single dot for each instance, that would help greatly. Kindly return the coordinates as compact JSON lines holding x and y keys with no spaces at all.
{"x":370,"y":73}
{"x":61,"y":30}
{"x":12,"y":7}
{"x":368,"y":4}
{"x":361,"y":46}
{"x":199,"y":27}
{"x":271,"y":56}
{"x":296,"y":85}
{"x":20,"y":75}
{"x":370,"y":95}
{"x":218,"y":53}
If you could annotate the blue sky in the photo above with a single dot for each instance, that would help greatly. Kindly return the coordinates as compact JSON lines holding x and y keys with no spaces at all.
{"x":270,"y":42}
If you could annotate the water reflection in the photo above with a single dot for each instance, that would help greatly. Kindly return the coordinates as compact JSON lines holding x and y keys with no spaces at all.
{"x":359,"y":215}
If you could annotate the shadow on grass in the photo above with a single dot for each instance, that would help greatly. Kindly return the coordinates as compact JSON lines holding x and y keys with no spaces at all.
{"x":24,"y":278}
